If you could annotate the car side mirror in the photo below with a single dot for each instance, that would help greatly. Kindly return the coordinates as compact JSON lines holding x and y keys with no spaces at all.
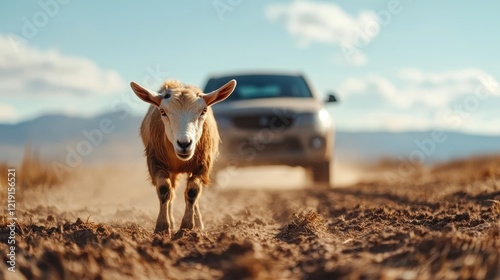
{"x":331,"y":98}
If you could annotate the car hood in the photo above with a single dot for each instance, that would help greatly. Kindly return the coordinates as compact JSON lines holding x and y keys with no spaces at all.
{"x":253,"y":106}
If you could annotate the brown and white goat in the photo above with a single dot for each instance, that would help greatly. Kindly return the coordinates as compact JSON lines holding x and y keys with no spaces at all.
{"x":180,"y":135}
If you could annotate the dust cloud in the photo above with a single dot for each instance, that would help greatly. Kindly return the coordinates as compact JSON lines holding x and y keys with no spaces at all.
{"x":114,"y":193}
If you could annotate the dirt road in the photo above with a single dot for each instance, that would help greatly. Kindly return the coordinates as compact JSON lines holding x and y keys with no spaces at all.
{"x":443,"y":223}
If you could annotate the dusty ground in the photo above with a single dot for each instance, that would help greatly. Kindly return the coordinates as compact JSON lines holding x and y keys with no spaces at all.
{"x":442,"y":223}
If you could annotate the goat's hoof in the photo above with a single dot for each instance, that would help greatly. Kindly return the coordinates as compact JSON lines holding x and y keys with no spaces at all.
{"x":162,"y":230}
{"x":163,"y":233}
{"x":181,"y":233}
{"x":187,"y":225}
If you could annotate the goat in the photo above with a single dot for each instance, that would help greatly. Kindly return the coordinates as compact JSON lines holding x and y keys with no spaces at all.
{"x":180,"y":135}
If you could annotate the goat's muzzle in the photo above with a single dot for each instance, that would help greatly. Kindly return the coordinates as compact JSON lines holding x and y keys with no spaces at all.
{"x":184,"y":149}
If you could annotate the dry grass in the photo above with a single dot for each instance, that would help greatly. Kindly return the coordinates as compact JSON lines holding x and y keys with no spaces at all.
{"x":474,"y":169}
{"x":3,"y":172}
{"x":481,"y":168}
{"x":33,"y":173}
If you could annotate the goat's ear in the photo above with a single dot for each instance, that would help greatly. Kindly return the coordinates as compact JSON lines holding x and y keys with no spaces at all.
{"x":146,"y":95}
{"x":220,"y":94}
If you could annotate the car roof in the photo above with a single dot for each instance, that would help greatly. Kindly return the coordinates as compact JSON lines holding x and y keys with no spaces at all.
{"x":256,"y":73}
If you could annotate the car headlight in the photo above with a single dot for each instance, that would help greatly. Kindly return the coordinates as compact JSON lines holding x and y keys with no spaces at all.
{"x":319,"y":119}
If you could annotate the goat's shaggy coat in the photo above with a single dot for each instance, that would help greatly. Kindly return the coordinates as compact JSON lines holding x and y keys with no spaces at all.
{"x":160,"y":153}
{"x":193,"y":151}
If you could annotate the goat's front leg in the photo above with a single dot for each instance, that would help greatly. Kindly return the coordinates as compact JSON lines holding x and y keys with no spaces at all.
{"x":165,"y":192}
{"x":197,"y":217}
{"x":191,"y":196}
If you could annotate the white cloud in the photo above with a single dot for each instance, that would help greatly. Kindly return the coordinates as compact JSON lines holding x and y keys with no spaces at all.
{"x":412,"y":87}
{"x":8,"y":113}
{"x":455,"y":99}
{"x":35,"y":82}
{"x":460,"y":77}
{"x":327,"y":23}
{"x":26,"y":70}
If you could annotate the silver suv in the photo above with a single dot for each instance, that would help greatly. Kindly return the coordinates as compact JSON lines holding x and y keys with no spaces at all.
{"x":274,"y":119}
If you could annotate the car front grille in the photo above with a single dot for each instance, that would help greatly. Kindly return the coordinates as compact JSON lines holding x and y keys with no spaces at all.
{"x":285,"y":146}
{"x":254,"y":122}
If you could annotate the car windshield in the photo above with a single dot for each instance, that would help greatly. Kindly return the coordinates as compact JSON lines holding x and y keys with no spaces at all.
{"x":263,"y":86}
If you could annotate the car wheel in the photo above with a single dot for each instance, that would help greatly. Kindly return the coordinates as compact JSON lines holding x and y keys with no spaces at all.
{"x":321,"y":172}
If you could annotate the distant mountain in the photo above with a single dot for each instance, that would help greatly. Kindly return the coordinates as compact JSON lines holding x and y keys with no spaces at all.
{"x":56,"y":136}
{"x":428,"y":146}
{"x":50,"y":128}
{"x":114,"y":135}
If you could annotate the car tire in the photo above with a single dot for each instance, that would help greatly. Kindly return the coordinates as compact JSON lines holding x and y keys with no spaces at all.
{"x":321,"y":172}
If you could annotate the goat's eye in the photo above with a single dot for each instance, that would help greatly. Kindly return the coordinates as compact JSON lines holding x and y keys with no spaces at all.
{"x":163,"y":113}
{"x":204,"y":111}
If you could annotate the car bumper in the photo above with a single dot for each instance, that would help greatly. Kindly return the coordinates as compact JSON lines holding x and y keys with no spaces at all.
{"x":293,"y":146}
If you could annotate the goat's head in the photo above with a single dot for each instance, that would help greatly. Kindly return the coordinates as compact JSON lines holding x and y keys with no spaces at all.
{"x":182,"y":109}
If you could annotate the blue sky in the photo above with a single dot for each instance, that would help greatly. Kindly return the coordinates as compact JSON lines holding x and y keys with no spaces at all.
{"x":396,"y":65}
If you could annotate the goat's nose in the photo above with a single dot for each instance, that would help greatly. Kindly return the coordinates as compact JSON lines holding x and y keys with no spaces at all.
{"x":184,"y":145}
